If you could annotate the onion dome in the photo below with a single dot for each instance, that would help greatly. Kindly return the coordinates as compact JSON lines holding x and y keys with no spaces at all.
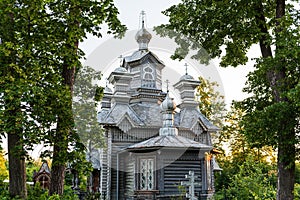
{"x":186,"y":77}
{"x":168,"y":104}
{"x":143,"y":37}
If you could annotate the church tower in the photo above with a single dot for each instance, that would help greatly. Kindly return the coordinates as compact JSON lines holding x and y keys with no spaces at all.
{"x":151,"y":145}
{"x":146,"y":68}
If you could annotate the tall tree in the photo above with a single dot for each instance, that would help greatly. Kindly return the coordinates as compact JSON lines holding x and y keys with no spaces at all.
{"x":211,"y":101}
{"x":233,"y":27}
{"x":211,"y":105}
{"x":39,"y":57}
{"x":87,"y":94}
{"x":71,"y":20}
{"x":20,"y":76}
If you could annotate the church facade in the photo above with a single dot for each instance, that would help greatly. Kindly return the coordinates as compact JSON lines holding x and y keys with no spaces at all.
{"x":151,"y":142}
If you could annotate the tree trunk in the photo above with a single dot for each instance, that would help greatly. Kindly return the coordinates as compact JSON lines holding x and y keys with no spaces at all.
{"x":276,"y":78}
{"x":286,"y":138}
{"x":286,"y":168}
{"x":12,"y":104}
{"x":65,"y":126}
{"x":57,"y":174}
{"x":17,"y":169}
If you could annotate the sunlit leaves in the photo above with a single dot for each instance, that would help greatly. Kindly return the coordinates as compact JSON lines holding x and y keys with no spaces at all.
{"x":211,"y":102}
{"x":3,"y":170}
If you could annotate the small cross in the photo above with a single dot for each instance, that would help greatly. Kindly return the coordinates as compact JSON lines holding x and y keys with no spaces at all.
{"x":186,"y":65}
{"x":191,"y":184}
{"x":121,"y":60}
{"x":143,"y":14}
{"x":167,"y":81}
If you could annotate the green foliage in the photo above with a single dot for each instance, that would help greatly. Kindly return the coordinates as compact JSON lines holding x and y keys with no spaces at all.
{"x":250,"y":180}
{"x":227,"y":29}
{"x":37,"y":193}
{"x":86,"y":96}
{"x":237,"y":27}
{"x":211,"y":102}
{"x":211,"y":105}
{"x":31,"y":167}
{"x":297,"y":173}
{"x":297,"y":191}
{"x":215,"y":25}
{"x":248,"y":172}
{"x":92,"y":196}
{"x":40,"y":54}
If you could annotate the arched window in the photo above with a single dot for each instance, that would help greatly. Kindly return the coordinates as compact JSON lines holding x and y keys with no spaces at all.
{"x":148,"y":73}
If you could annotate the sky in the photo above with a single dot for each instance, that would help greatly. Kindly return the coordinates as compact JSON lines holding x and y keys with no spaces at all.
{"x":101,"y":53}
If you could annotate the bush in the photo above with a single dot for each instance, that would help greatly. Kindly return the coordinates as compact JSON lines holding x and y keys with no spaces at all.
{"x":37,"y":193}
{"x":252,"y":180}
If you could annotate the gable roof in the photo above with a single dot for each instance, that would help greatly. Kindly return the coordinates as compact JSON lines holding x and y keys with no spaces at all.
{"x":190,"y":116}
{"x":44,"y":168}
{"x":116,"y":113}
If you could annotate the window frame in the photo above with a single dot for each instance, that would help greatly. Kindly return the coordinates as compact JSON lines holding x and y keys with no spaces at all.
{"x":138,"y":174}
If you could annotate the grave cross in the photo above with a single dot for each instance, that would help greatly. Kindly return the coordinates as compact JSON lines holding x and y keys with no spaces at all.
{"x":191,"y":184}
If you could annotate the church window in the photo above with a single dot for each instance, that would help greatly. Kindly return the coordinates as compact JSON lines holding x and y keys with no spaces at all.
{"x":148,"y":73}
{"x":147,"y":174}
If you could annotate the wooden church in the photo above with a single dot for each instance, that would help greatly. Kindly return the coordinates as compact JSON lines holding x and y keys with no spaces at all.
{"x":152,"y":144}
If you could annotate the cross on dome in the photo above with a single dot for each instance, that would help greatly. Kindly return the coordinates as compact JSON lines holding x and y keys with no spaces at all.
{"x":106,"y":82}
{"x":167,"y":82}
{"x":120,"y":68}
{"x":186,"y":65}
{"x":143,"y":16}
{"x":121,"y":59}
{"x":143,"y":37}
{"x":186,"y":76}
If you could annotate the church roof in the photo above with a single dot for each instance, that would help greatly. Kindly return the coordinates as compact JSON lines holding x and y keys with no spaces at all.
{"x":167,"y":141}
{"x":150,"y":114}
{"x":139,"y":55}
{"x":115,"y":114}
{"x":140,"y":110}
{"x":120,"y":69}
{"x":44,"y":168}
{"x":190,"y":116}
